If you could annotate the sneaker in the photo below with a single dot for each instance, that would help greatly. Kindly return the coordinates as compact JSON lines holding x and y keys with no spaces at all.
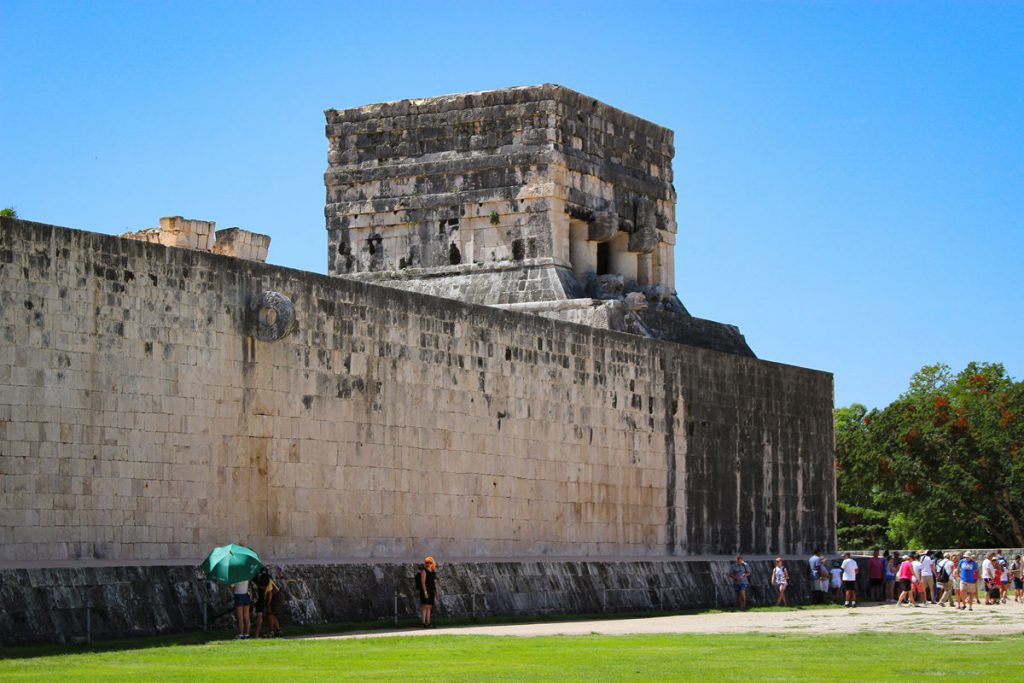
{"x":853,"y":604}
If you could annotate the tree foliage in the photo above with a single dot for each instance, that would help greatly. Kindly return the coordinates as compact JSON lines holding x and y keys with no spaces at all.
{"x":942,"y":465}
{"x":9,"y":212}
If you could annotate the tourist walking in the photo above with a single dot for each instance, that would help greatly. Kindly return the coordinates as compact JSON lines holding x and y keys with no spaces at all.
{"x":915,"y":562}
{"x":1017,"y":570}
{"x":426,"y":581}
{"x":928,"y":576}
{"x":945,"y":582}
{"x":988,"y":576}
{"x":816,"y":567}
{"x":906,"y":577}
{"x":780,"y":579}
{"x":968,"y":578}
{"x":739,"y":572}
{"x":850,"y":570}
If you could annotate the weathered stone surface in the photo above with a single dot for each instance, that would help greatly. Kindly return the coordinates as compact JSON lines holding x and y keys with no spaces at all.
{"x":49,"y":605}
{"x":140,"y":421}
{"x":450,"y":195}
{"x":188,"y":233}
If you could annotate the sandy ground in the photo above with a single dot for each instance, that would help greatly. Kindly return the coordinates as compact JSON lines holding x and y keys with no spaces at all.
{"x":993,"y":620}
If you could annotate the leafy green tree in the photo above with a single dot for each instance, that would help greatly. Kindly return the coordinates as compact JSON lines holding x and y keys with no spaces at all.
{"x":944,"y":461}
{"x":861,"y":524}
{"x":9,"y":212}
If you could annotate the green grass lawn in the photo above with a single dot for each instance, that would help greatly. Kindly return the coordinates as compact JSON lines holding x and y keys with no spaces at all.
{"x":746,"y":657}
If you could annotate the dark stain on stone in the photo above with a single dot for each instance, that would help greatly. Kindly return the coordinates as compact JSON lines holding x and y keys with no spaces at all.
{"x":670,"y":462}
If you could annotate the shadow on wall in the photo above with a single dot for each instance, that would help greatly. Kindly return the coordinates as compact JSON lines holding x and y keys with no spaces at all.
{"x":69,"y":605}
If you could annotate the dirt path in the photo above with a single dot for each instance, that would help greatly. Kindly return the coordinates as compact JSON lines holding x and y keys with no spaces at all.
{"x":994,"y":620}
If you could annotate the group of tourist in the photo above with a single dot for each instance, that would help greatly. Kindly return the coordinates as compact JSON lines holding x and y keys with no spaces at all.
{"x":922,"y":578}
{"x":915,"y":578}
{"x":268,"y":605}
{"x":957,"y":580}
{"x":838,"y":579}
{"x":269,"y":600}
{"x":845,"y":576}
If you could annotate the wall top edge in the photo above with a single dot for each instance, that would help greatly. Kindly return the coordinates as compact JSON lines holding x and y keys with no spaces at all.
{"x":12,"y":229}
{"x":480,"y":98}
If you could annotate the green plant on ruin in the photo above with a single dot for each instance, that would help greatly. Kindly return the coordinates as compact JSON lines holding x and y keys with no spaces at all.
{"x":8,"y":212}
{"x":494,"y":218}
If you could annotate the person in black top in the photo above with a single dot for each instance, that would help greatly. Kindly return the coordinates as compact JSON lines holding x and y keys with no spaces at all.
{"x":427,"y":584}
{"x":269,"y":603}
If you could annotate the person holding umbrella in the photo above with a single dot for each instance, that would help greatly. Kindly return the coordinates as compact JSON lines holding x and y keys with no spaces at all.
{"x":233,"y":565}
{"x":243,"y":608}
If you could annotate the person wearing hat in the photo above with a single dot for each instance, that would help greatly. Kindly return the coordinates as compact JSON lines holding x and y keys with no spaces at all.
{"x":780,"y":579}
{"x":968,"y":580}
{"x":427,"y":582}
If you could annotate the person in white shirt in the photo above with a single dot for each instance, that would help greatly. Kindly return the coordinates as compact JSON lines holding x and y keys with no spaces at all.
{"x":850,"y":571}
{"x":928,"y":577}
{"x":988,"y":577}
{"x":918,"y":586}
{"x":815,"y":565}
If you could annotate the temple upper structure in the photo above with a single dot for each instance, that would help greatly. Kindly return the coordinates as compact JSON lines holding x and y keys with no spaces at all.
{"x":534,"y":198}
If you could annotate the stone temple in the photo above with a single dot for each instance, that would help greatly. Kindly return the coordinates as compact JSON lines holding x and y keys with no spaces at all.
{"x":496,"y":370}
{"x":535,"y":199}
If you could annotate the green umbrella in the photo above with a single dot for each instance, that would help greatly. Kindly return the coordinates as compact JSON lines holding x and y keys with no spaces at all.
{"x":231,"y":563}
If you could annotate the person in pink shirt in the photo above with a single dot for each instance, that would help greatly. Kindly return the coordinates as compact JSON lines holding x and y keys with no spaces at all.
{"x":876,"y":575}
{"x":907,"y":579}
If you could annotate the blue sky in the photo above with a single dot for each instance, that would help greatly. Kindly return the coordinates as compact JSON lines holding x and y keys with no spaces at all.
{"x":850,"y":175}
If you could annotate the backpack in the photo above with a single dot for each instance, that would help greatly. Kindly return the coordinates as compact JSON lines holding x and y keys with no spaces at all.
{"x":943,"y":575}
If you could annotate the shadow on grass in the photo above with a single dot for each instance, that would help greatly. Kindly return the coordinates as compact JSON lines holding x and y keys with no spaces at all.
{"x":334,"y":628}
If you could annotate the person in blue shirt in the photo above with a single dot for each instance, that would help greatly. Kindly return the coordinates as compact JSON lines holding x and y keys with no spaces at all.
{"x":968,"y":577}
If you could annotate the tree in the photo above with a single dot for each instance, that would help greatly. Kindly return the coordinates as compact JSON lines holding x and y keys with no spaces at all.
{"x":861,"y":523}
{"x":944,"y":461}
{"x":9,"y":212}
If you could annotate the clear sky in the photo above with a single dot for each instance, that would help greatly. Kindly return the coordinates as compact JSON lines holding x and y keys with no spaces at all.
{"x":850,"y":175}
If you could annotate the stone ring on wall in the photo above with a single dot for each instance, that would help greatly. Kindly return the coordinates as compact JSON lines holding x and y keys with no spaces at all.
{"x":273,"y":316}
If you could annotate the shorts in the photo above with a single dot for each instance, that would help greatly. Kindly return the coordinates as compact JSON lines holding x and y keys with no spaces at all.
{"x":781,"y":585}
{"x":876,"y":582}
{"x":242,"y":600}
{"x":1018,"y":584}
{"x":850,"y":585}
{"x":740,"y":587}
{"x":424,"y":600}
{"x":968,"y":586}
{"x":904,"y":584}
